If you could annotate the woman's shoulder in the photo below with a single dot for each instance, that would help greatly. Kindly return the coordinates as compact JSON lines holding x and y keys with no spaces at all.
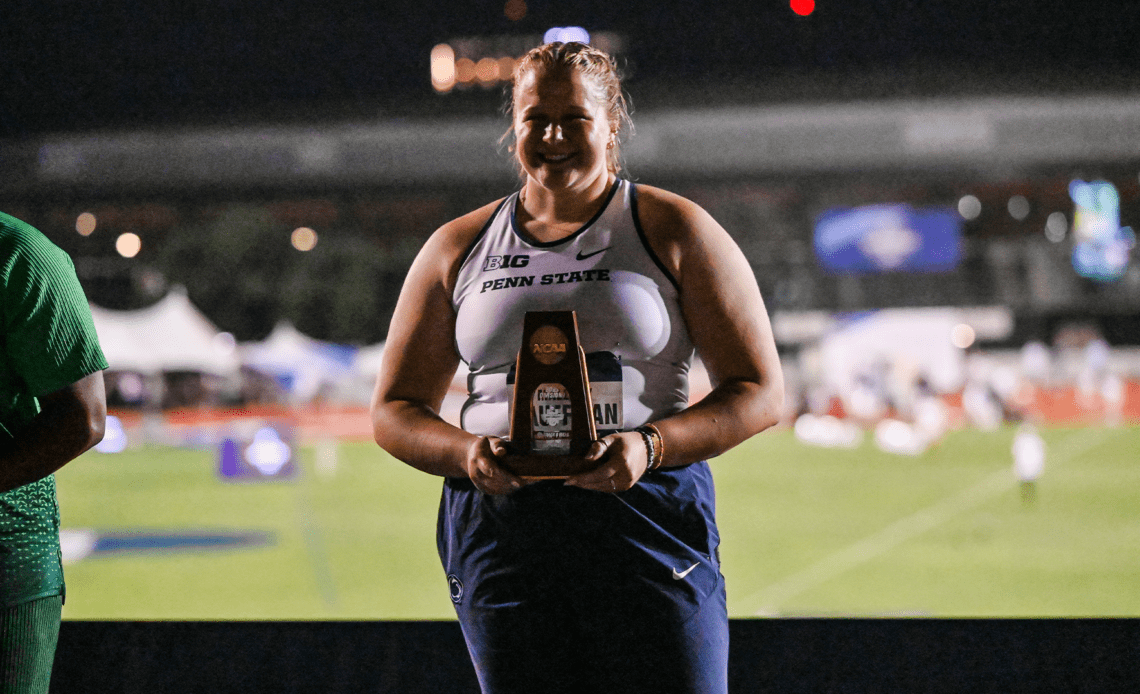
{"x":462,"y":231}
{"x":663,"y":211}
{"x":449,"y":244}
{"x":675,"y":226}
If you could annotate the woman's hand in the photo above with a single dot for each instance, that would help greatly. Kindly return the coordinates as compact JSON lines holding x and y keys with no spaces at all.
{"x":623,"y":460}
{"x":482,"y":466}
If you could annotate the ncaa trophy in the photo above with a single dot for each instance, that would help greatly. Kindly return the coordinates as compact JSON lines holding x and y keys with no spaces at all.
{"x":552,"y":422}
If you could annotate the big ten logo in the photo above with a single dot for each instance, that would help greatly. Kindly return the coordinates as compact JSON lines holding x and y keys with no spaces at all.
{"x":499,"y":262}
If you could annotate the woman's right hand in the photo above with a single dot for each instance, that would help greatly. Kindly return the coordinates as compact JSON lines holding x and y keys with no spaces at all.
{"x":483,"y":468}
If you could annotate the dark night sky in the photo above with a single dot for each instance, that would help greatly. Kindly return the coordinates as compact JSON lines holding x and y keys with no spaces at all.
{"x":152,"y":62}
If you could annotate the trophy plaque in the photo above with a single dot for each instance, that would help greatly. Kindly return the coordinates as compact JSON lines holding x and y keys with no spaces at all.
{"x":552,"y":425}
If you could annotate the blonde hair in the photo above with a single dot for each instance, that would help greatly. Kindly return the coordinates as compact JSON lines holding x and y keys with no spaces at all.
{"x":602,"y":71}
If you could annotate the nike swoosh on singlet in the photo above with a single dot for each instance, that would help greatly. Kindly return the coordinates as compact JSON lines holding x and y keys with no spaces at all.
{"x":678,"y":575}
{"x":583,"y":256}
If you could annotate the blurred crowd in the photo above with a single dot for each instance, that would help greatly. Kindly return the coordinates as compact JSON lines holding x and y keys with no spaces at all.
{"x":1079,"y":379}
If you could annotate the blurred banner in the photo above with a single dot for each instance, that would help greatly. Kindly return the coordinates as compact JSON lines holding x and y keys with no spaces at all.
{"x":1101,"y":248}
{"x":888,"y":238}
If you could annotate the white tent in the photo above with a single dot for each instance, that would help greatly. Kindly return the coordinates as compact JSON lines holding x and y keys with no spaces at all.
{"x":917,"y":339}
{"x":302,"y":365}
{"x":171,"y":335}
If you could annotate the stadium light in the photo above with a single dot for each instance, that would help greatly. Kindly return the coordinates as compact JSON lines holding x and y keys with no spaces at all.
{"x":465,"y":70}
{"x":487,"y":71}
{"x":85,"y":224}
{"x":566,"y":35}
{"x":1018,"y":207}
{"x":465,"y":62}
{"x":303,"y":239}
{"x":1056,"y":226}
{"x":506,"y":67}
{"x":128,"y":245}
{"x":962,"y":336}
{"x":969,"y":207}
{"x":443,"y":67}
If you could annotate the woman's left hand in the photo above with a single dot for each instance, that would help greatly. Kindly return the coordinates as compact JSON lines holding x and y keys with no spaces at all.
{"x":623,"y":460}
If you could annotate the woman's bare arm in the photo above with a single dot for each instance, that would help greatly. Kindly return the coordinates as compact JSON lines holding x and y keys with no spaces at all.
{"x":729,"y":326}
{"x":418,"y":364}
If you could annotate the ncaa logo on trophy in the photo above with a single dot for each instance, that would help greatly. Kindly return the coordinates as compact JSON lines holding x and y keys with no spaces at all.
{"x":551,"y":423}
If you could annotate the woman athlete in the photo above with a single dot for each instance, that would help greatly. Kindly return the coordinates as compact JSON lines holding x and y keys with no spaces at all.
{"x":609,"y":580}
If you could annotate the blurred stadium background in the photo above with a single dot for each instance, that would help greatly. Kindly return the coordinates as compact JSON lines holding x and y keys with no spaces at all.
{"x":938,"y":202}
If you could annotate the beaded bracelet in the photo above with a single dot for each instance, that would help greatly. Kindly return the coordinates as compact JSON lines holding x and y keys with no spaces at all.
{"x":660,"y":445}
{"x":654,"y":446}
{"x":648,"y":439}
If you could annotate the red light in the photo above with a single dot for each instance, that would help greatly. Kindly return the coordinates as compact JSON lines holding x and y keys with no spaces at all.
{"x":803,"y":7}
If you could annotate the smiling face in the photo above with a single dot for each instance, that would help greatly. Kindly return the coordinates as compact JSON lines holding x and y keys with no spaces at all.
{"x":562,"y":129}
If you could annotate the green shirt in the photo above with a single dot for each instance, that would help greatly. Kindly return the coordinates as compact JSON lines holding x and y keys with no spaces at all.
{"x":47,"y":342}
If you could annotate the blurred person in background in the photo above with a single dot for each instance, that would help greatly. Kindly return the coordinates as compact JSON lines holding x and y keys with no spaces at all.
{"x":1092,"y":364}
{"x":52,"y":409}
{"x":1113,"y":391}
{"x":1028,"y":450}
{"x":1036,"y":377}
{"x":609,"y":580}
{"x":981,"y":399}
{"x":865,"y":402}
{"x":981,"y":406}
{"x":930,"y":414}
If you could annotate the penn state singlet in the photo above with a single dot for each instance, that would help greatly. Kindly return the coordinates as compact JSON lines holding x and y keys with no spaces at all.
{"x":626,"y":302}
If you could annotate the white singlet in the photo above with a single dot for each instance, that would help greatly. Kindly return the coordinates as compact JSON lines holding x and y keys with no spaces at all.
{"x":626,"y":302}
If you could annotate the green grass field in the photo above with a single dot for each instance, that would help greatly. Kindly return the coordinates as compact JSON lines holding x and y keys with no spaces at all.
{"x":806,"y":532}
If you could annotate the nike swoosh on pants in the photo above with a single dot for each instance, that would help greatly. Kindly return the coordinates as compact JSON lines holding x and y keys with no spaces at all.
{"x":678,"y":575}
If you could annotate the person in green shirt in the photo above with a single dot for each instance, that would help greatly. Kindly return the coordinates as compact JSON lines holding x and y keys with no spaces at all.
{"x":52,"y":409}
